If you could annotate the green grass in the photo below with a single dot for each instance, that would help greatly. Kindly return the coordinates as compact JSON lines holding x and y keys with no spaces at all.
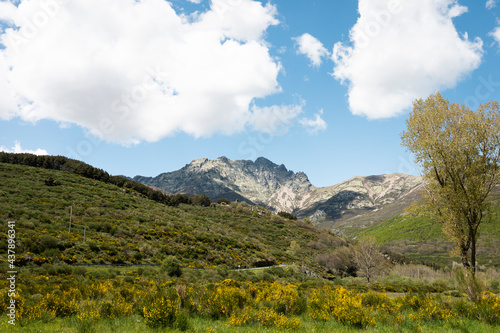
{"x":123,"y":227}
{"x":135,"y":324}
{"x":422,"y":239}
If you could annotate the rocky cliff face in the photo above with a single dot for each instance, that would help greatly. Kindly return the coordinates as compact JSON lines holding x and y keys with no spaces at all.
{"x":256,"y":182}
{"x":264,"y":183}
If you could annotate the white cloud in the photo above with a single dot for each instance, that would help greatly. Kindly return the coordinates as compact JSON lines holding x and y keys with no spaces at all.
{"x":18,"y":150}
{"x":131,"y":70}
{"x":275,"y":119}
{"x":195,"y":1}
{"x":315,"y":125}
{"x":402,"y":50}
{"x":7,"y":11}
{"x":311,"y":47}
{"x":490,"y":4}
{"x":496,"y":34}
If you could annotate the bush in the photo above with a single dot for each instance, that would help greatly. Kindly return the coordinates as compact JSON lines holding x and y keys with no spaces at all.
{"x":287,"y":215}
{"x":47,"y":242}
{"x":80,"y":271}
{"x":182,"y":322}
{"x":171,"y":266}
{"x":161,"y":312}
{"x":200,"y":200}
{"x":222,"y":300}
{"x":93,"y":246}
{"x":342,"y":304}
{"x":223,"y":200}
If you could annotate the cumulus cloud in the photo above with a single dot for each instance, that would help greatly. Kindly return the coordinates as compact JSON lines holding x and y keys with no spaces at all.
{"x":315,"y":125}
{"x":17,"y":149}
{"x":312,"y":48}
{"x":402,"y":50}
{"x":131,"y":70}
{"x":275,"y":119}
{"x":496,"y":35}
{"x":490,"y":4}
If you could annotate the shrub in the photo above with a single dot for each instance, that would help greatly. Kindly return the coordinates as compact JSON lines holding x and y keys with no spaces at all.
{"x":171,"y":266}
{"x":61,"y":304}
{"x":200,"y":200}
{"x":47,"y":242}
{"x":287,"y":215}
{"x":222,"y":300}
{"x":487,"y":308}
{"x":161,"y":311}
{"x":342,"y":304}
{"x":182,"y":322}
{"x":265,"y":317}
{"x":80,"y":271}
{"x":93,"y":246}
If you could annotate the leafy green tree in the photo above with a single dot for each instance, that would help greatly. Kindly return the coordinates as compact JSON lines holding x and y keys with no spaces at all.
{"x":287,"y":215}
{"x":200,"y":200}
{"x":458,"y":151}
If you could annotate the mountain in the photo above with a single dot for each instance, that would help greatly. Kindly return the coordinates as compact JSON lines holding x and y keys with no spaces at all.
{"x":119,"y":225}
{"x":355,"y":202}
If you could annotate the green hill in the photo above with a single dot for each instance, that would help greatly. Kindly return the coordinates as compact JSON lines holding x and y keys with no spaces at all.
{"x":421,"y":239}
{"x":114,"y":225}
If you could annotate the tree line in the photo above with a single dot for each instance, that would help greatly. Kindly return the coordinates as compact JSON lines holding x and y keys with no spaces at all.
{"x":62,"y":163}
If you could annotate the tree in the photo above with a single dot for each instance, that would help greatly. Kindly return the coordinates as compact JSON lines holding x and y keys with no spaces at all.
{"x":200,"y":200}
{"x":368,"y":259}
{"x":458,"y":151}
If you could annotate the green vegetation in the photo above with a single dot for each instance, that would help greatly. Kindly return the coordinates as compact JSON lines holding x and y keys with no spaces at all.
{"x":183,"y":267}
{"x":287,"y":215}
{"x":149,"y":300}
{"x":113,"y":225}
{"x":458,"y":151}
{"x":420,"y":239}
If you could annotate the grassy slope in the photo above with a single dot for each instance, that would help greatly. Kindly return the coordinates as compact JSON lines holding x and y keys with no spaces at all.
{"x":422,"y":239}
{"x":124,"y":227}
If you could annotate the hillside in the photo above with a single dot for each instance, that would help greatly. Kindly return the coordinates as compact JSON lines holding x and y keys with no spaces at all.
{"x":113,"y":225}
{"x":357,"y":201}
{"x":421,"y":238}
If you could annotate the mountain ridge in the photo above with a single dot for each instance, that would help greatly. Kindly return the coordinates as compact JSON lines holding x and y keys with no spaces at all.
{"x":263,"y":182}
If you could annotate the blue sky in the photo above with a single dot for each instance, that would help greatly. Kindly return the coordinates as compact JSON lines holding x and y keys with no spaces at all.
{"x":323,"y":87}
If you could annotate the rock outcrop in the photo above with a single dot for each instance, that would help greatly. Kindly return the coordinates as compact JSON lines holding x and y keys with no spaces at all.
{"x":265,"y":183}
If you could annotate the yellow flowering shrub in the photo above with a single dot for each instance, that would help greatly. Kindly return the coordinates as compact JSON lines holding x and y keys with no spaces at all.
{"x":60,"y":303}
{"x":161,"y":312}
{"x":265,"y":317}
{"x":431,"y":309}
{"x":116,"y":307}
{"x":99,"y":289}
{"x":487,"y":308}
{"x":283,"y":298}
{"x":342,"y":304}
{"x":221,"y":301}
{"x":88,"y":310}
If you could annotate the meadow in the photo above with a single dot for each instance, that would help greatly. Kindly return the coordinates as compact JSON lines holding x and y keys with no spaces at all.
{"x":133,"y":264}
{"x":138,"y":299}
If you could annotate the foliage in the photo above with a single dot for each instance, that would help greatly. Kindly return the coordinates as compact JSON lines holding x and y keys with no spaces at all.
{"x":161,"y":311}
{"x":287,"y":215}
{"x":122,"y":226}
{"x":200,"y":200}
{"x":459,"y":153}
{"x":223,"y":201}
{"x":171,"y":266}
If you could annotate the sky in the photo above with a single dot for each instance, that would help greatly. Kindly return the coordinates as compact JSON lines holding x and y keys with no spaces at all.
{"x":142,"y":87}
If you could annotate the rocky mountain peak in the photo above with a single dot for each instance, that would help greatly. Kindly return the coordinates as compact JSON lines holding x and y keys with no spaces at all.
{"x":266,"y":183}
